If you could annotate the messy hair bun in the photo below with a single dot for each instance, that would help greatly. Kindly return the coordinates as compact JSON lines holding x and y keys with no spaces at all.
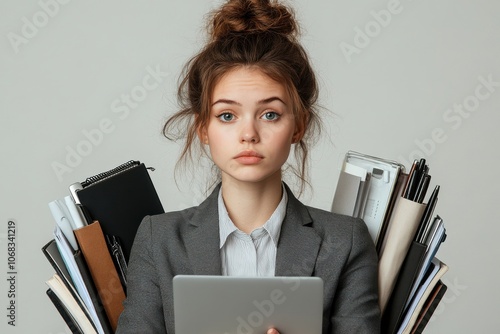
{"x":252,"y":16}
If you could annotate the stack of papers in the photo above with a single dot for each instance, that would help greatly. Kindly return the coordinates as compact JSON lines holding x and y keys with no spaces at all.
{"x":405,"y":233}
{"x":94,"y":230}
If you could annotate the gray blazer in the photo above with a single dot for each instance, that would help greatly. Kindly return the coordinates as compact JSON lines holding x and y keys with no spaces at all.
{"x":312,"y":242}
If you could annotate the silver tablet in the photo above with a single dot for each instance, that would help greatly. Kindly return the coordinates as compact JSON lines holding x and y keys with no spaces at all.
{"x":247,"y":305}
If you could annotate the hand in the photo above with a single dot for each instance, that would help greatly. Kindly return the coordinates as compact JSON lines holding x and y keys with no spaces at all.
{"x":272,"y":331}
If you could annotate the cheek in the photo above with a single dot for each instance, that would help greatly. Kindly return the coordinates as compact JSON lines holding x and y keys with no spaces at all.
{"x":280,"y":136}
{"x":218,"y":141}
{"x":214,"y":133}
{"x":280,"y":132}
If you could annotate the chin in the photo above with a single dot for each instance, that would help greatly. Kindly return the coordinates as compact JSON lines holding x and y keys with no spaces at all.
{"x":254,"y":177}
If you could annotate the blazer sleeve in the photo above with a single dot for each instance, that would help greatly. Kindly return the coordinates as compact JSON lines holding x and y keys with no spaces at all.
{"x":143,"y":311}
{"x":356,"y":308}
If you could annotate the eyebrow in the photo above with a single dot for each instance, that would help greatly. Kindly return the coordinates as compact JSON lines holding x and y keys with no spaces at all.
{"x":263,"y":101}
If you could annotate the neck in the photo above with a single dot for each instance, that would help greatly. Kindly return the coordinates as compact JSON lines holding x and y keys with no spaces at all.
{"x":250,"y":204}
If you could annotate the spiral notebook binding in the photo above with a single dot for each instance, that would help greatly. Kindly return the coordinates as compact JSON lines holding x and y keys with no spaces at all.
{"x":104,"y":175}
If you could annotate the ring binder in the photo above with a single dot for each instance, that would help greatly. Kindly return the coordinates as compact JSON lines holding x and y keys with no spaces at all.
{"x":104,"y":175}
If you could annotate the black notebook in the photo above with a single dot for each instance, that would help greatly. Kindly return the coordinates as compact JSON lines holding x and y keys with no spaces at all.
{"x":119,"y":199}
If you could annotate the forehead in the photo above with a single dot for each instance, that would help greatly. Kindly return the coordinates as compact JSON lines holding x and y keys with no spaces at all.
{"x":243,"y":80}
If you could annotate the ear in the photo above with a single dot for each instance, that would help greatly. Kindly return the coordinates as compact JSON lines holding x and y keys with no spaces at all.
{"x":297,"y":136}
{"x":298,"y":133}
{"x":201,"y":131}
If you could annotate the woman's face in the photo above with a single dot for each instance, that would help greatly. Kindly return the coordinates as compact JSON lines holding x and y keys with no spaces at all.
{"x":251,"y":126}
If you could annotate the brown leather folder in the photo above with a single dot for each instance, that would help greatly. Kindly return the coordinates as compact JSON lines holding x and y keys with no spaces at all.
{"x":102,"y":269}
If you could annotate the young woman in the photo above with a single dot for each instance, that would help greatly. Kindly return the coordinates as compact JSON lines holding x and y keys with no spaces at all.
{"x":249,"y":97}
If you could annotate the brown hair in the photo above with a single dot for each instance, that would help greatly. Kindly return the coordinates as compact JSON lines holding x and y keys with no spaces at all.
{"x":257,"y":33}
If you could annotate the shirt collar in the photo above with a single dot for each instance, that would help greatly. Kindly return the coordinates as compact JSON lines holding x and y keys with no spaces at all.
{"x":272,"y":225}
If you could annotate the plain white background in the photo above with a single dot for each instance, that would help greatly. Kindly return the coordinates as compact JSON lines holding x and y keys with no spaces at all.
{"x":399,"y":86}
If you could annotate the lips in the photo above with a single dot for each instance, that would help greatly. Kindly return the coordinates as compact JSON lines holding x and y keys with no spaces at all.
{"x":248,"y":157}
{"x":249,"y":154}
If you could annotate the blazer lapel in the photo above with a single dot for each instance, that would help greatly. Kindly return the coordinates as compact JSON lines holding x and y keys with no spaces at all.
{"x":202,"y":241}
{"x":298,"y":244}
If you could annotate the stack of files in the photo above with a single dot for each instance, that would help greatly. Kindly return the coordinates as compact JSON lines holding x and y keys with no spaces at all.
{"x":79,"y":280}
{"x":94,"y":231}
{"x":418,"y":276}
{"x":407,"y":238}
{"x":64,"y":296}
{"x":429,"y":282}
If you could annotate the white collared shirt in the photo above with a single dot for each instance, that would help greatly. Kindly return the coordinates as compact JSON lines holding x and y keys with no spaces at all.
{"x":251,"y":254}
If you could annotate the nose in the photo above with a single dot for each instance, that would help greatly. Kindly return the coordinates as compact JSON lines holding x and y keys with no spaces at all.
{"x":249,"y":133}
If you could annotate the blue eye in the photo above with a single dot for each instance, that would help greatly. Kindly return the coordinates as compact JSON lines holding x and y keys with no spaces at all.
{"x":226,"y":117}
{"x":271,"y":116}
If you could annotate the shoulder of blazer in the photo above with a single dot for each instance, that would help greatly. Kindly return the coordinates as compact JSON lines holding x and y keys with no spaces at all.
{"x":207,"y":211}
